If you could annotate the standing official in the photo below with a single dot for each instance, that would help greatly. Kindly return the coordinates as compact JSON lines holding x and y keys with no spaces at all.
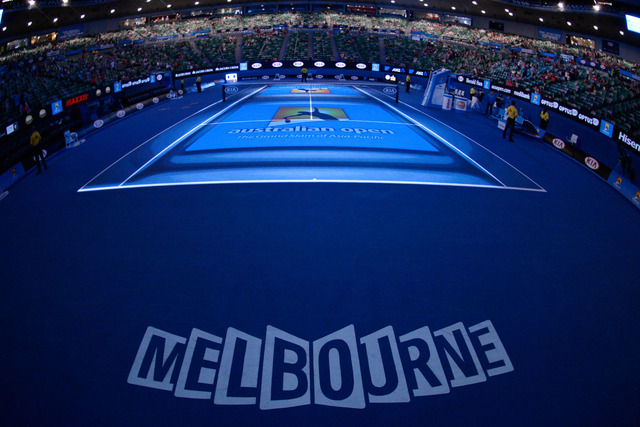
{"x":512,"y":113}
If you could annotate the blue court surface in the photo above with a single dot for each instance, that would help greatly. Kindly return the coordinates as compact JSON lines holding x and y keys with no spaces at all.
{"x":317,"y":255}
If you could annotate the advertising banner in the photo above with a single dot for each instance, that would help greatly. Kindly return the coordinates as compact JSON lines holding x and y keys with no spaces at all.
{"x":549,"y":34}
{"x":589,"y":161}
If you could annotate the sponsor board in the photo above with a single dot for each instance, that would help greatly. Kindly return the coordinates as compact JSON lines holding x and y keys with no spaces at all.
{"x":606,"y":128}
{"x":628,"y":141}
{"x":589,"y":161}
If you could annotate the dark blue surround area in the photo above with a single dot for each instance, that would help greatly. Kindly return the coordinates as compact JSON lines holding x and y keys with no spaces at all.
{"x":316,"y":295}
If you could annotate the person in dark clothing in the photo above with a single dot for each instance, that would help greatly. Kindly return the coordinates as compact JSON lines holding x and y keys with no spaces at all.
{"x":544,"y":119}
{"x":512,"y":113}
{"x":36,"y":149}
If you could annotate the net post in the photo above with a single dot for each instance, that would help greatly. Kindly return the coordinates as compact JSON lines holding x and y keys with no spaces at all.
{"x":224,"y":93}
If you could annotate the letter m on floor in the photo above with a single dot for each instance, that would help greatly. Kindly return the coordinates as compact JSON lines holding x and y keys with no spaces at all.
{"x":158,"y":360}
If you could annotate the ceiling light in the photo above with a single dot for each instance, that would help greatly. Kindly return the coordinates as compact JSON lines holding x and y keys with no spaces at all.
{"x":475,"y":2}
{"x":168,"y":6}
{"x":82,"y":16}
{"x":541,"y":20}
{"x":112,"y":11}
{"x":139,"y":9}
{"x":506,"y":10}
{"x":197,"y":3}
{"x":483,"y":11}
{"x":55,"y":19}
{"x":595,"y":27}
{"x":596,"y":7}
{"x":29,"y":23}
{"x":4,"y":28}
{"x":569,"y":23}
{"x":621,"y":32}
{"x":561,"y":5}
{"x":510,"y":13}
{"x":453,"y":8}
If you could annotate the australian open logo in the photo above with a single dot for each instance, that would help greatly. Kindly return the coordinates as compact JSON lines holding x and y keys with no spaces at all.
{"x":342,"y":369}
{"x":460,"y":79}
{"x":558,"y":143}
{"x":592,"y":163}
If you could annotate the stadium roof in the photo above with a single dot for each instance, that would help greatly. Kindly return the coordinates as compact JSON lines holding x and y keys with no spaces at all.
{"x":598,"y":18}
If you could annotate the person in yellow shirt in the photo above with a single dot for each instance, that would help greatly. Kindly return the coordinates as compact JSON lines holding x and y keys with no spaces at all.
{"x":512,"y":113}
{"x":408,"y":82}
{"x":36,"y":148}
{"x":544,"y":119}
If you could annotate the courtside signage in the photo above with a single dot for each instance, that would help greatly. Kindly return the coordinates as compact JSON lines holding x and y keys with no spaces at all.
{"x":343,"y":369}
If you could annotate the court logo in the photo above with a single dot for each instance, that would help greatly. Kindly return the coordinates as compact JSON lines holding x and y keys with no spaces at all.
{"x":314,"y":90}
{"x":286,"y":115}
{"x":231,"y":89}
{"x":592,"y":163}
{"x":390,"y":90}
{"x":558,"y":143}
{"x":342,"y":369}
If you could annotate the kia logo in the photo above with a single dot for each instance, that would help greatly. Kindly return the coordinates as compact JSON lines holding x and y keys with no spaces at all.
{"x":277,"y":64}
{"x":390,"y":90}
{"x":340,"y":64}
{"x":558,"y":143}
{"x":592,"y":163}
{"x":319,"y":64}
{"x":354,"y":77}
{"x":265,"y":77}
{"x":319,"y":76}
{"x":256,"y":65}
{"x":298,"y":64}
{"x":231,"y":89}
{"x":361,"y":66}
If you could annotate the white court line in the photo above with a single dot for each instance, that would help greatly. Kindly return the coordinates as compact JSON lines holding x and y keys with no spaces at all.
{"x":475,"y":142}
{"x":155,"y":136}
{"x":295,"y":181}
{"x":236,"y":122}
{"x":435,"y":135}
{"x":193,"y":130}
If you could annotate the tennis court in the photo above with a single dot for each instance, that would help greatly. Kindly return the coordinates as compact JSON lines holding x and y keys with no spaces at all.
{"x":317,"y":254}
